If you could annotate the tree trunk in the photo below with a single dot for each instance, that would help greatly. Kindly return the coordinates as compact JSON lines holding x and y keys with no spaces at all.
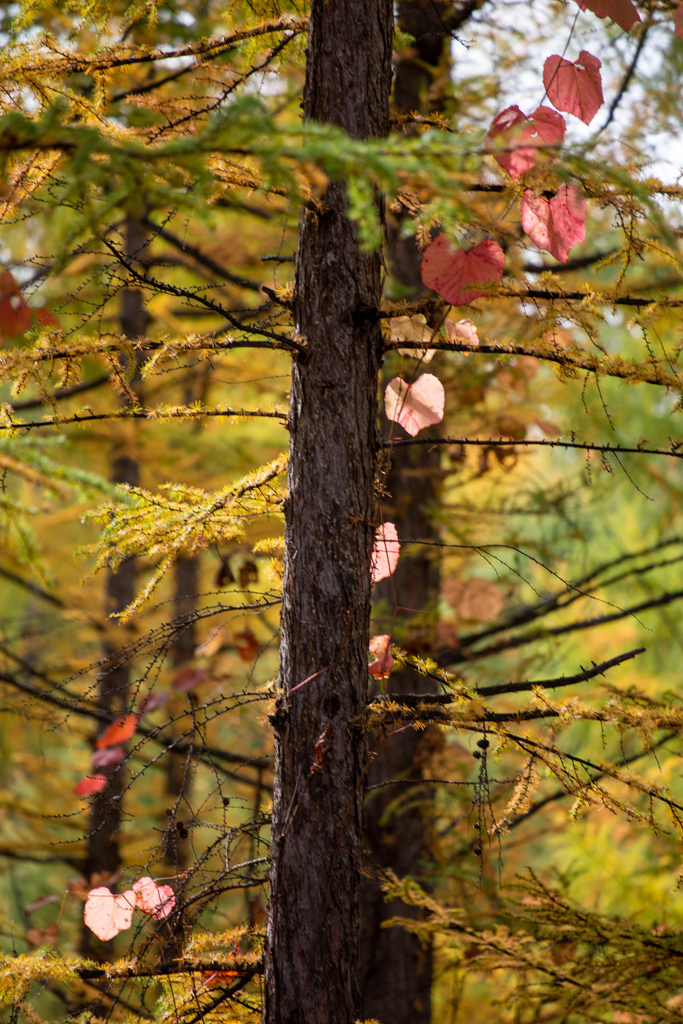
{"x":314,"y":914}
{"x":396,"y":968}
{"x":179,"y":767}
{"x":103,"y":856}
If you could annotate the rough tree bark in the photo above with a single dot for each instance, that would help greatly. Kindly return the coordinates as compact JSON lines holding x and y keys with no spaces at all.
{"x":314,"y":914}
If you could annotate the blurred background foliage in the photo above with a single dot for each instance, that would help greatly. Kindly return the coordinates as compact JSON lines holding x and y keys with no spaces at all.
{"x":528,"y":523}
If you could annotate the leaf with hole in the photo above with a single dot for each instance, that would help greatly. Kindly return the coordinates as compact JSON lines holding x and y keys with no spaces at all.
{"x":574,"y":87}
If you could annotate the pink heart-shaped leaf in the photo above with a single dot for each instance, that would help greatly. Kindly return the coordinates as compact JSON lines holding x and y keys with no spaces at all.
{"x":385,"y":552}
{"x":558,"y":224}
{"x":547,"y":128}
{"x":522,"y":136}
{"x":417,"y":405}
{"x":157,"y":900}
{"x":380,"y":649}
{"x":462,"y":331}
{"x":452,"y":272}
{"x":576,"y":88}
{"x":106,"y":914}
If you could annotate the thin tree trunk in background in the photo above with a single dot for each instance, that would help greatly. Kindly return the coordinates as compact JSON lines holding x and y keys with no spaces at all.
{"x":314,"y":914}
{"x":103,"y":854}
{"x":396,"y":968}
{"x":178,"y":768}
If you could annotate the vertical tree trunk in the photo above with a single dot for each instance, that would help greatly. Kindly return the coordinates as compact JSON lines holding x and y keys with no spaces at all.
{"x":178,"y":769}
{"x":314,"y":915}
{"x":396,"y":968}
{"x":103,"y":855}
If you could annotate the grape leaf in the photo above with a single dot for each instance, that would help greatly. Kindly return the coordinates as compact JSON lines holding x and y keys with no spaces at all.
{"x":558,"y":224}
{"x":417,"y":405}
{"x":157,"y":900}
{"x":522,"y":136}
{"x":385,"y":552}
{"x":622,"y":12}
{"x":380,"y":648}
{"x":463,"y":330}
{"x":451,"y":272}
{"x":412,"y":328}
{"x":576,"y":88}
{"x":106,"y":914}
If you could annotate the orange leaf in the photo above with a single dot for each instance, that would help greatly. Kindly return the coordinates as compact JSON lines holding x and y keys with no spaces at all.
{"x":213,"y":978}
{"x":118,"y":732}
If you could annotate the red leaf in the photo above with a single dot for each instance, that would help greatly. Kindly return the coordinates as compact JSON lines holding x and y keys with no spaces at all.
{"x":106,"y":914}
{"x":91,"y":784}
{"x":558,"y":224}
{"x":522,"y":136}
{"x":547,"y":127}
{"x":16,"y":316}
{"x":678,"y":22}
{"x":118,"y":732}
{"x":576,"y":88}
{"x":450,"y":272}
{"x":622,"y":12}
{"x":380,"y":648}
{"x":385,"y":552}
{"x":188,"y":678}
{"x":157,"y":900}
{"x":417,"y":405}
{"x":109,"y":755}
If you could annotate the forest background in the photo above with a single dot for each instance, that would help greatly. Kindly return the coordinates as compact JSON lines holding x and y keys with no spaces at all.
{"x":154,"y":169}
